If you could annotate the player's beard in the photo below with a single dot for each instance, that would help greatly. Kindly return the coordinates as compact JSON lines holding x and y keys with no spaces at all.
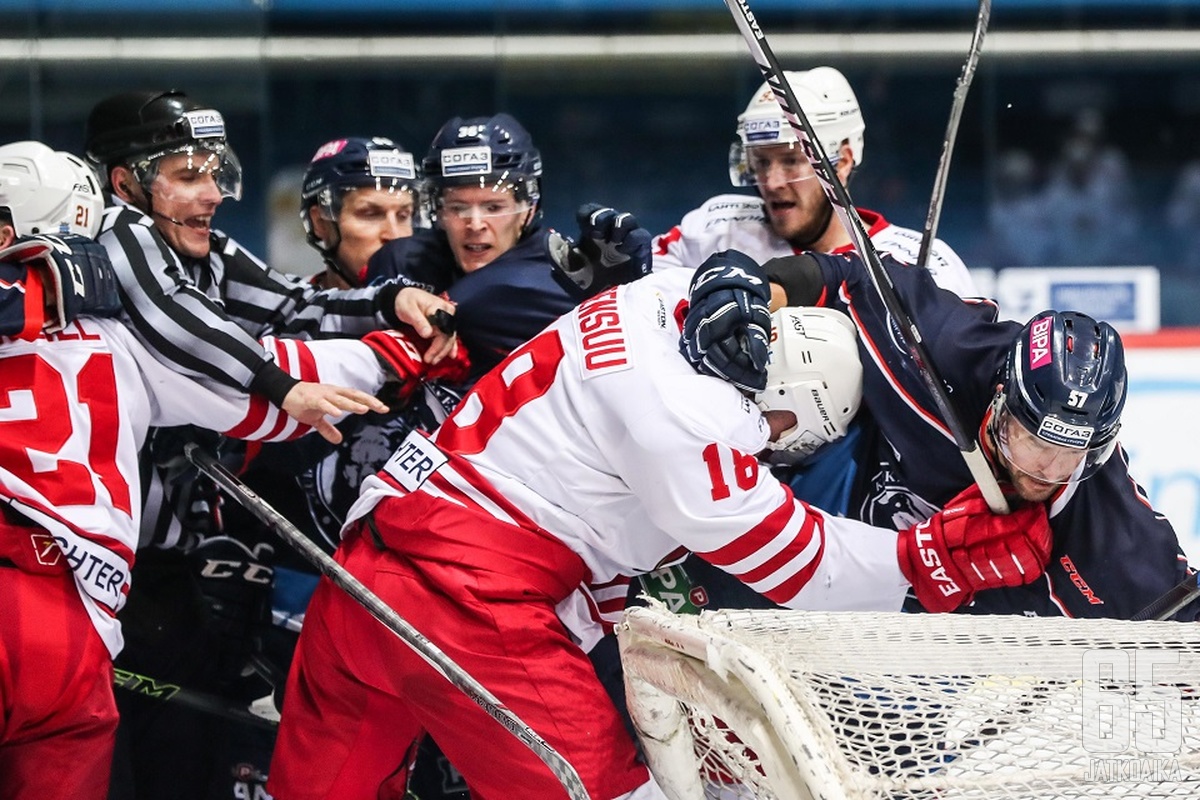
{"x":809,"y":235}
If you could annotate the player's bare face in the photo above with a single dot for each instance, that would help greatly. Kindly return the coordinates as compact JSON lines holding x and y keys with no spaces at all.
{"x":369,"y":219}
{"x":797,"y":209}
{"x":184,"y":196}
{"x":481,"y":223}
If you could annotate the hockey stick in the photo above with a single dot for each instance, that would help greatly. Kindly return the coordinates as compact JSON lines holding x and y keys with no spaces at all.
{"x":956,"y":109}
{"x":145,"y":686}
{"x":1172,"y":600}
{"x":423,"y":647}
{"x":836,"y":192}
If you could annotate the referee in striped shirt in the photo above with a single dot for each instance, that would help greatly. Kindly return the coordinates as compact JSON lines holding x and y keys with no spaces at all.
{"x":195,"y":296}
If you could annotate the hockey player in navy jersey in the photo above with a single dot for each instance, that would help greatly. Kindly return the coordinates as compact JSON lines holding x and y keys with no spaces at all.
{"x":1046,"y":399}
{"x":489,"y":249}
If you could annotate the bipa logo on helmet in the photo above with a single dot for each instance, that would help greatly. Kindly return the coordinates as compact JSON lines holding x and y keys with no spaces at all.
{"x":1039,"y":343}
{"x":467,"y":161}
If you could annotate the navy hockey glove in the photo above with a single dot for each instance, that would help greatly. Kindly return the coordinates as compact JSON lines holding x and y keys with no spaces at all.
{"x":79,"y":272}
{"x":613,"y":249}
{"x":727,"y":329}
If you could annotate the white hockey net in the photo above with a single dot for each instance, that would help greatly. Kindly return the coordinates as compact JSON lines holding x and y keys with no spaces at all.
{"x":850,"y":706}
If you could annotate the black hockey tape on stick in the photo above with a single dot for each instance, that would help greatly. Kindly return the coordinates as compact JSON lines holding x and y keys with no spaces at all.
{"x":756,"y":40}
{"x":1172,"y":600}
{"x":381,"y":611}
{"x":956,"y":109}
{"x":145,"y":686}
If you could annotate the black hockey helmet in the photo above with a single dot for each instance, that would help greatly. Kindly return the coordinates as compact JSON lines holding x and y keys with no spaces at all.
{"x":1064,"y":381}
{"x":485,"y":151}
{"x":134,"y":129}
{"x":355,"y":162}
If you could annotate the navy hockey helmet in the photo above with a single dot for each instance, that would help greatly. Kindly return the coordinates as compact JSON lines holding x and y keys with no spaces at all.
{"x":1064,"y":381}
{"x":135,"y":129}
{"x":342,"y":165}
{"x":485,"y":151}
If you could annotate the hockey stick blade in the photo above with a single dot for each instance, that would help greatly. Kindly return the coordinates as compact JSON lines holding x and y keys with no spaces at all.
{"x":1172,"y":600}
{"x":956,"y":110}
{"x":756,"y":40}
{"x":426,"y":649}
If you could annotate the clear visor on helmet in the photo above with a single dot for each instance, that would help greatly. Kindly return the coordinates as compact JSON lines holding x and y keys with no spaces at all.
{"x":186,"y":173}
{"x":758,"y":165}
{"x":332,"y":199}
{"x":500,"y":201}
{"x":1045,"y":461}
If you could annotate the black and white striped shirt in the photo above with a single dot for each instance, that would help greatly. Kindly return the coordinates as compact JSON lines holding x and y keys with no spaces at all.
{"x":204,"y":316}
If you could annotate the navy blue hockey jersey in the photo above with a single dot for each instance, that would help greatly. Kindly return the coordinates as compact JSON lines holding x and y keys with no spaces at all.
{"x":1113,"y":553}
{"x":499,"y":307}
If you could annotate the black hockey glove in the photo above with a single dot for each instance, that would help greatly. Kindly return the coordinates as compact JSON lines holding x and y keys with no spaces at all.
{"x":235,"y":586}
{"x":727,"y":329}
{"x":79,"y":271}
{"x":613,"y":249}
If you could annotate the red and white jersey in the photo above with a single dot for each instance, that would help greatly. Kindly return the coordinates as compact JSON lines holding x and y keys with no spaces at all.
{"x":739,"y":222}
{"x":74,"y":411}
{"x":599,"y":433}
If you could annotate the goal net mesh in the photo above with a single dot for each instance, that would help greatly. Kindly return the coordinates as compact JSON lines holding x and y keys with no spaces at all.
{"x":790,"y":704}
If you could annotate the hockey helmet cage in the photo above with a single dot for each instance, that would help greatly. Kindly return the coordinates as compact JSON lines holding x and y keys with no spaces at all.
{"x":341,"y":165}
{"x":45,"y":191}
{"x":135,"y":129}
{"x":485,"y":151}
{"x":828,"y":102}
{"x":1065,"y":382}
{"x":816,"y":373}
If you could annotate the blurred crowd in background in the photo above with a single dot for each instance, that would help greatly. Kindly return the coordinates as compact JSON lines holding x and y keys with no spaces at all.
{"x":1065,"y":159}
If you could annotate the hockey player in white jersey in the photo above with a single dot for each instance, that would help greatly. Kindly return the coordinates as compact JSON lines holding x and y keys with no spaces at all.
{"x":75,"y":406}
{"x":601,"y":447}
{"x":791,"y":213}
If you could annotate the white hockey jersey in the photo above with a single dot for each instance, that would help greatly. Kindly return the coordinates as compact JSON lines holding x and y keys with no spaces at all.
{"x":74,"y":413}
{"x":739,"y":222}
{"x":599,"y":433}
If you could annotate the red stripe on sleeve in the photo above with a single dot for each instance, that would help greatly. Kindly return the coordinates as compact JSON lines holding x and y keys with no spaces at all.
{"x":780,"y":559}
{"x":791,"y":587}
{"x":754,"y":539}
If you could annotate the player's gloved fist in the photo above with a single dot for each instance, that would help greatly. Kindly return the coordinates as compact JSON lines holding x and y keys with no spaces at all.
{"x":613,"y":249}
{"x":727,"y":329}
{"x":400,"y":352}
{"x":80,"y":275}
{"x":965,"y":548}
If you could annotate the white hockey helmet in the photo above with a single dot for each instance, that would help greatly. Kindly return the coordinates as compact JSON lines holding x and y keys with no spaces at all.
{"x":827,"y":100}
{"x":45,"y":191}
{"x":814,"y":372}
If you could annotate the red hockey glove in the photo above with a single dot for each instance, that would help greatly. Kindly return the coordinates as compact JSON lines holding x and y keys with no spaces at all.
{"x":965,"y":548}
{"x":400,"y":353}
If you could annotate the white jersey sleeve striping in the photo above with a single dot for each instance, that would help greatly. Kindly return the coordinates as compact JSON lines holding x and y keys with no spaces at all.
{"x":599,"y":433}
{"x":79,"y":404}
